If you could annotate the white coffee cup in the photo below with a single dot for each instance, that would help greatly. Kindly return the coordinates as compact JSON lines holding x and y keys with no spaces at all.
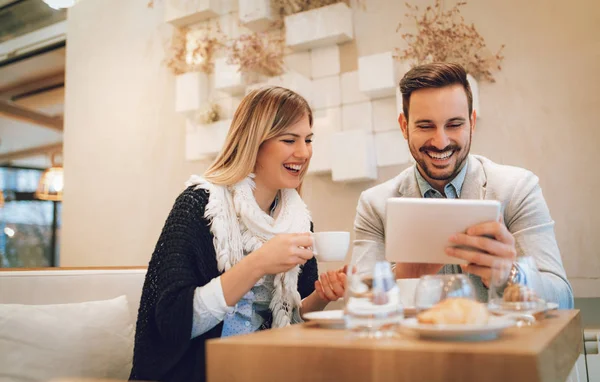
{"x":407,"y":288}
{"x":331,"y":246}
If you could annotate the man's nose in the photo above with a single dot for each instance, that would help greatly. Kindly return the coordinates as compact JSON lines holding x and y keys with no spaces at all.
{"x":440,"y":139}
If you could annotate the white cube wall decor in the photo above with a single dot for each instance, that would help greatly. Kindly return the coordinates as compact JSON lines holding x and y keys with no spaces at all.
{"x":258,"y":85}
{"x":228,"y":78}
{"x":320,"y":163}
{"x":257,"y":15}
{"x":230,"y":26}
{"x":294,"y":81}
{"x":325,"y":61}
{"x":326,"y":122}
{"x":353,"y":156}
{"x":326,"y":92}
{"x":228,"y":6}
{"x":191,"y":91}
{"x":475,"y":91}
{"x":185,"y":12}
{"x":299,"y":62}
{"x":357,"y":116}
{"x":227,"y":106}
{"x":378,"y":75}
{"x":391,"y":148}
{"x":350,"y":90}
{"x":385,"y":117}
{"x":205,"y":141}
{"x":318,"y":27}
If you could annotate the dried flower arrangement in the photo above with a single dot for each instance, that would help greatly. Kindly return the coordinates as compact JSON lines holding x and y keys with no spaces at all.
{"x":175,"y":51}
{"x":202,"y":47}
{"x":193,"y":50}
{"x":289,"y":7}
{"x":443,"y":36}
{"x":210,"y":114}
{"x":259,"y":52}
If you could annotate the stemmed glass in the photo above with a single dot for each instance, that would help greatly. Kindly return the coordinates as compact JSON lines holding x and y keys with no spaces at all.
{"x":516,"y":290}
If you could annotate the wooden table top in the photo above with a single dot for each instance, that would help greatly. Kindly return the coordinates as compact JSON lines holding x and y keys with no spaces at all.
{"x":544,"y":352}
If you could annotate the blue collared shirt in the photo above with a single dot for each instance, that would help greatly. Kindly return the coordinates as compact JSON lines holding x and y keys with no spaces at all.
{"x":452,"y":189}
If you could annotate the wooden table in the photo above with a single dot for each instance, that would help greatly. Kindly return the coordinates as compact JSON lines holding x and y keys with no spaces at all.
{"x":545,"y":352}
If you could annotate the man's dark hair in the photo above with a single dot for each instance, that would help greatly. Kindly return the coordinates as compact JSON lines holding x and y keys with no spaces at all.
{"x":435,"y":75}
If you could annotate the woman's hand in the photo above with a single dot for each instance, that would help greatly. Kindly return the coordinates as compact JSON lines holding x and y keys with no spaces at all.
{"x":331,"y":286}
{"x":283,"y":252}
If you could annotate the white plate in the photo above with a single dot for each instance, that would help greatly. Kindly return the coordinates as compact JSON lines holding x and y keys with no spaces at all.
{"x":335,"y":318}
{"x":460,"y":332}
{"x":497,"y":310}
{"x":327,"y":318}
{"x":551,"y":306}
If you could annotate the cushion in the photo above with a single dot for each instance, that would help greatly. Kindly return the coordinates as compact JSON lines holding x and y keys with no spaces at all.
{"x":91,"y":339}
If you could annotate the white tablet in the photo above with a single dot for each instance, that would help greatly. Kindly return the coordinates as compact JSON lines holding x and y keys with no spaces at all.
{"x":417,"y":229}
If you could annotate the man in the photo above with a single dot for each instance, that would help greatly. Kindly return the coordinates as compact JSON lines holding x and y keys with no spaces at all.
{"x":438,"y":121}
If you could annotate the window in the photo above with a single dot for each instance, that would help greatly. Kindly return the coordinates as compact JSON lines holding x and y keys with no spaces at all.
{"x":29,"y":228}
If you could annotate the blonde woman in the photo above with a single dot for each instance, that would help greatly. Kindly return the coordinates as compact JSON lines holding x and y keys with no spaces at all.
{"x":235,"y":253}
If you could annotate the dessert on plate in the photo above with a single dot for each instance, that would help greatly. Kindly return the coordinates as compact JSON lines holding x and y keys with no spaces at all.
{"x":519,"y":293}
{"x":455,"y":311}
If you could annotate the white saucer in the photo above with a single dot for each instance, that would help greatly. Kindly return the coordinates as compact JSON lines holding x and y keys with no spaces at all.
{"x":486,"y":332}
{"x":327,"y":318}
{"x":498,"y":310}
{"x":335,"y":318}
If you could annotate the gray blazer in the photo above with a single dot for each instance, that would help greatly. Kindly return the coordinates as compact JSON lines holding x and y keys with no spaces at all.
{"x":524,"y":209}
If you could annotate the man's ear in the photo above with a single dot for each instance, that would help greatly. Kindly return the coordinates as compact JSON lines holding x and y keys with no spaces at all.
{"x":403,"y":121}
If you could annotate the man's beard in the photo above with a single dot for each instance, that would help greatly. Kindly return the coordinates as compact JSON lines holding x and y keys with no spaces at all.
{"x":458,"y":150}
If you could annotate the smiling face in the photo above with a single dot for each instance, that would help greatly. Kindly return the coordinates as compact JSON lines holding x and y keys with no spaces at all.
{"x":439,"y":132}
{"x":283,"y":159}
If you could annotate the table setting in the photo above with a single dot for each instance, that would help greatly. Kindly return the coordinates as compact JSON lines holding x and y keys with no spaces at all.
{"x":396,"y":329}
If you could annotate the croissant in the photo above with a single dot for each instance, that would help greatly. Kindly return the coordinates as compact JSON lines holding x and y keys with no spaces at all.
{"x":455,"y":311}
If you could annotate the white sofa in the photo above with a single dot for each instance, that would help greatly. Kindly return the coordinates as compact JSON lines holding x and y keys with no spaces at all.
{"x":59,"y":323}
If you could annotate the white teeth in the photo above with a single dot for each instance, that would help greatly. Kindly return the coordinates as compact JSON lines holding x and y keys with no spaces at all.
{"x":296,"y":167}
{"x":443,"y":155}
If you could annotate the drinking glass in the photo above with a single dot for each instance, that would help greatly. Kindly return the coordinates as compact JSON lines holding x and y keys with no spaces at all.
{"x":516,"y":290}
{"x":372,"y":301}
{"x":432,"y":289}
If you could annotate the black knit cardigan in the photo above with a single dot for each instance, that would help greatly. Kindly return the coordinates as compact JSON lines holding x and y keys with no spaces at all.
{"x":184,"y":258}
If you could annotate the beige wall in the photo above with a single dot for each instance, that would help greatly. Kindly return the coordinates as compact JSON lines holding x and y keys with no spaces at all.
{"x":124,"y":145}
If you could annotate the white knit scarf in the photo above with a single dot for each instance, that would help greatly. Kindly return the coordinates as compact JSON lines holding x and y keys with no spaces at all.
{"x":239,"y":226}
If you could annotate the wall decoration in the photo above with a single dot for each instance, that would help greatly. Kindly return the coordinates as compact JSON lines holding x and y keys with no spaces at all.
{"x":335,"y":27}
{"x":355,"y":124}
{"x":290,"y":7}
{"x":202,"y":45}
{"x":258,"y":15}
{"x":444,"y":36}
{"x":259,"y":52}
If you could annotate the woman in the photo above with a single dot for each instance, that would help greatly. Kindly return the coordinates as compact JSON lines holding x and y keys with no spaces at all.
{"x":235,"y":253}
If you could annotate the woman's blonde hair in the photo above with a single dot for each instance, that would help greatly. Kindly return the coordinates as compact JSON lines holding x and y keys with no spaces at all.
{"x":263,"y":114}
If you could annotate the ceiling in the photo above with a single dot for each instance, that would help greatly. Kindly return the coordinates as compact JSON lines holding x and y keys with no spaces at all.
{"x":19,"y":17}
{"x":32,"y":68}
